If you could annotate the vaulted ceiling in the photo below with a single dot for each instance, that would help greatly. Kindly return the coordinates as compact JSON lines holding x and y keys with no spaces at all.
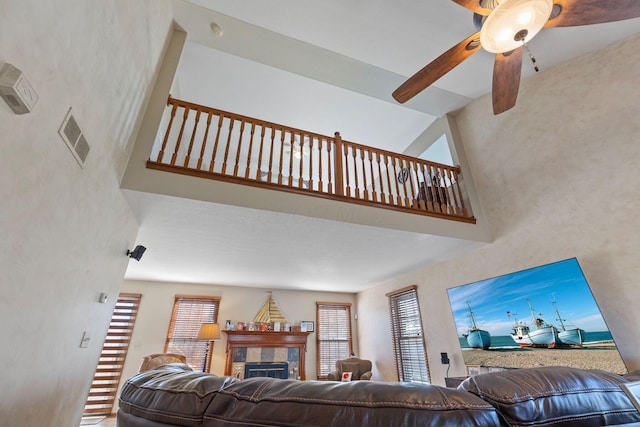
{"x":322,"y":66}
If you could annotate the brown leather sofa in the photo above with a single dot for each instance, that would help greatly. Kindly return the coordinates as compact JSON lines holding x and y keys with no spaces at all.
{"x":173,"y":395}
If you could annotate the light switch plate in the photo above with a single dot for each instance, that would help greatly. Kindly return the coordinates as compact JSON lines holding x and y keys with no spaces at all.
{"x":85,"y":340}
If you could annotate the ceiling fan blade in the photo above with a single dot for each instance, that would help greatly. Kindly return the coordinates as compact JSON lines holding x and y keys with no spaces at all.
{"x":506,"y":80}
{"x":474,"y":6}
{"x":436,"y":69}
{"x":586,"y":12}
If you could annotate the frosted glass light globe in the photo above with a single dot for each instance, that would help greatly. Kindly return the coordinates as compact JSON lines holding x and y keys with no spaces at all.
{"x":513,"y":22}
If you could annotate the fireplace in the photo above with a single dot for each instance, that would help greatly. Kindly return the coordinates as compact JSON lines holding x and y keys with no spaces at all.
{"x":266,"y":348}
{"x":271,"y":370}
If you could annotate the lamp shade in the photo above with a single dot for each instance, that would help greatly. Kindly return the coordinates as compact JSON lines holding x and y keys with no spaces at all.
{"x":514,"y":22}
{"x":209,"y":331}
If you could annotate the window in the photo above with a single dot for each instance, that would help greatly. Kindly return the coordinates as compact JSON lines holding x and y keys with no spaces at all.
{"x":114,"y":351}
{"x":333,"y":335}
{"x":408,"y":340}
{"x":189,"y":312}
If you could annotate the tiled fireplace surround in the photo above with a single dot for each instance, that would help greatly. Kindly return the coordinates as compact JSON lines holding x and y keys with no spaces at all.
{"x":246,"y":347}
{"x":245,"y":355}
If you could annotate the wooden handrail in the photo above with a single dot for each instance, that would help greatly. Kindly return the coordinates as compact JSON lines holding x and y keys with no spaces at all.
{"x":236,"y":148}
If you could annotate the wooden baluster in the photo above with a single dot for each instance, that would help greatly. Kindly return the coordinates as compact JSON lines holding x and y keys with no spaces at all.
{"x":301,"y":162}
{"x":215,"y":145}
{"x":292,"y":141}
{"x":203,"y":146}
{"x":247,"y":171}
{"x":320,"y":180}
{"x":363,"y":168}
{"x":310,"y":185}
{"x":449,"y":191}
{"x":395,"y":180}
{"x":346,"y":169}
{"x":374,"y":193}
{"x":389,"y":195}
{"x":339,"y":186}
{"x":330,"y":188}
{"x":405,"y":177}
{"x":423,"y":189}
{"x":193,"y":137}
{"x":179,"y":140}
{"x":430,"y":192}
{"x":356,"y":190}
{"x":259,"y":171}
{"x":378,"y":158}
{"x":462,"y":208}
{"x":282,"y":135}
{"x":227,"y":145}
{"x":238,"y":149}
{"x":166,"y":135}
{"x":273,"y":138}
{"x":442,"y":198}
{"x":413,"y":170}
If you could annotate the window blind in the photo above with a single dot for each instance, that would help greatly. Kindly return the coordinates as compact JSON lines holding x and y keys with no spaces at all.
{"x":189,"y":312}
{"x":114,"y":351}
{"x":333,"y":335}
{"x":408,"y":339}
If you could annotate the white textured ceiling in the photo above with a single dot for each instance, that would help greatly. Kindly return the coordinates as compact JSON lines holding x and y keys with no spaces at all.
{"x":322,"y":66}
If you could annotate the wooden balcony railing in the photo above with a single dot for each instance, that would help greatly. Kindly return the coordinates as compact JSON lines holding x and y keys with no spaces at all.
{"x":206,"y":142}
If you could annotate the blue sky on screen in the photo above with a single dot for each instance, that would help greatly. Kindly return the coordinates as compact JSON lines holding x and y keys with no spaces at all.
{"x":491,"y":299}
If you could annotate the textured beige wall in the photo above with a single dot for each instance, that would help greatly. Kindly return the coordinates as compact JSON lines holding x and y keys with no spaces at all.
{"x":64,"y":230}
{"x":557,"y":177}
{"x":237,"y":304}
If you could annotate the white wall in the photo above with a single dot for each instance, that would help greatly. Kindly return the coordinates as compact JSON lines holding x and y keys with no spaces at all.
{"x":237,"y":304}
{"x":64,"y":230}
{"x":558,"y":177}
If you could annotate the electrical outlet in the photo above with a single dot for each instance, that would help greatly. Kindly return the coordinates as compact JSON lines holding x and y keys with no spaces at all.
{"x":85,"y":340}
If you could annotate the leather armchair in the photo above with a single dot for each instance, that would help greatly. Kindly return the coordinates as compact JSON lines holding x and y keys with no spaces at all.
{"x":159,"y":359}
{"x":360,"y":369}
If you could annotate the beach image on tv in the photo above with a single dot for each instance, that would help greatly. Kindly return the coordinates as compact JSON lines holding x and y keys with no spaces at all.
{"x":542,"y":316}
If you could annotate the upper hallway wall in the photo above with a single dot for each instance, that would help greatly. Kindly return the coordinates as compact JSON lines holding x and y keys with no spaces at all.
{"x":65,"y":229}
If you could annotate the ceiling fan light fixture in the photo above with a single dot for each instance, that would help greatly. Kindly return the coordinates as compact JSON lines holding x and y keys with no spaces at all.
{"x":514,"y":22}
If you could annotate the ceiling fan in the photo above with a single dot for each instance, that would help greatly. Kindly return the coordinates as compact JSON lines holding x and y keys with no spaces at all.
{"x":505,"y":27}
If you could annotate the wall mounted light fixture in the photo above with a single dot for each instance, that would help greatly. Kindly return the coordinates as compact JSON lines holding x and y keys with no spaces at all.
{"x":137,"y":252}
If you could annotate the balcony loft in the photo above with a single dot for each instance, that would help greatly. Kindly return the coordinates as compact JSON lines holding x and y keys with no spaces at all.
{"x":202,"y":153}
{"x":209,"y":143}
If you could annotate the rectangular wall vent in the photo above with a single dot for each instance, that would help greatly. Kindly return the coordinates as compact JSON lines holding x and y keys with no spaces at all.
{"x":74,"y":138}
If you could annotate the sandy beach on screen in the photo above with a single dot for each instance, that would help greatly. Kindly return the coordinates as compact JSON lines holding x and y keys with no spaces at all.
{"x":591,"y":356}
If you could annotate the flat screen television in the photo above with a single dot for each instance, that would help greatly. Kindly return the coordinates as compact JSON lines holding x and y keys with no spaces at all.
{"x":542,"y":316}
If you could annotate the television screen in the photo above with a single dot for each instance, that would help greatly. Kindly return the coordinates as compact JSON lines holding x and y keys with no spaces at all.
{"x":542,"y":316}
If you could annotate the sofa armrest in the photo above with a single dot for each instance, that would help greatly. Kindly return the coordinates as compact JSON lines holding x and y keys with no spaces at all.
{"x":334,"y":376}
{"x":366,"y":376}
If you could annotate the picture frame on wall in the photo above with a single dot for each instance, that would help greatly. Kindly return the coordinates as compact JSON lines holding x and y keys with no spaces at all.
{"x":307,"y":326}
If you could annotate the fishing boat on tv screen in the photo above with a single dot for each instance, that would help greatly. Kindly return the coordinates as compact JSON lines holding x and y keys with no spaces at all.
{"x":489,"y":338}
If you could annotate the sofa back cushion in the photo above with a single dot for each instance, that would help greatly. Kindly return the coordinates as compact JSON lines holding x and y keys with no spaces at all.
{"x":273,"y":402}
{"x":170,"y":394}
{"x":555,"y":396}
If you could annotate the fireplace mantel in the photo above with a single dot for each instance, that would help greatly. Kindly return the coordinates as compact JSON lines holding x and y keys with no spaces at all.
{"x":238,"y":339}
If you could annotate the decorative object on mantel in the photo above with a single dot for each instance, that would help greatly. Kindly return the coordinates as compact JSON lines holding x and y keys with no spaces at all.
{"x":307,"y":326}
{"x":269,"y":313}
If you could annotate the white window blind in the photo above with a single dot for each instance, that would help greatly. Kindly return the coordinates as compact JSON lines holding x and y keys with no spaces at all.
{"x":189,"y":312}
{"x":408,"y":339}
{"x":333,"y":335}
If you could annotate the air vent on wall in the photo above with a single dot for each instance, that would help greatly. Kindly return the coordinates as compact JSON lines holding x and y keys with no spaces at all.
{"x":74,"y":138}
